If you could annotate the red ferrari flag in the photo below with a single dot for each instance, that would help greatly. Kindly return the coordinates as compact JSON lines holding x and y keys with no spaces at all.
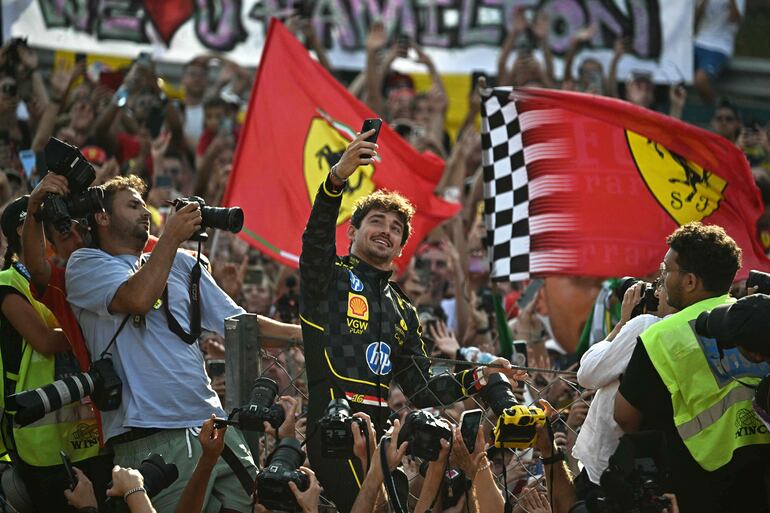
{"x":300,"y":119}
{"x":576,"y":184}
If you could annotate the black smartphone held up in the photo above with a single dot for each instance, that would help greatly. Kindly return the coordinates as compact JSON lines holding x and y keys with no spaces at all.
{"x":80,"y":58}
{"x":73,"y":479}
{"x":470,"y":421}
{"x":475,"y":76}
{"x":370,"y":123}
{"x":215,"y":368}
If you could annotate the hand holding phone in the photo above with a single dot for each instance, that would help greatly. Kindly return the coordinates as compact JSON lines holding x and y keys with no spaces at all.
{"x":470,"y":421}
{"x":73,"y":479}
{"x":215,"y":368}
{"x":372,"y":123}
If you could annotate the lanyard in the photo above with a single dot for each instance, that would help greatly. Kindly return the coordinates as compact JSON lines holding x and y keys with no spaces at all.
{"x":195,"y":306}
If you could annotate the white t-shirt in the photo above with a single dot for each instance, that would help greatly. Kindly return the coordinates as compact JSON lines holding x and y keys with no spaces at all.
{"x":600,"y":368}
{"x":715,"y":31}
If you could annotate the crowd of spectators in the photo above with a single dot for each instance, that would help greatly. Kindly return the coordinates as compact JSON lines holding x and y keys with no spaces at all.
{"x":183,"y":145}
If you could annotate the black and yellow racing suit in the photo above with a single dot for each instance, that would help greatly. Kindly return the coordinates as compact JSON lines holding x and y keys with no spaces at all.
{"x":359,"y":331}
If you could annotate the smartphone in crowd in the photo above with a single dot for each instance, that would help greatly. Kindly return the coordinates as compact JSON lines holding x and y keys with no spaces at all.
{"x":470,"y":421}
{"x":162,"y":181}
{"x":372,"y":123}
{"x":215,"y":368}
{"x":71,"y":477}
{"x":529,"y":293}
{"x":254,"y":274}
{"x":27,"y":158}
{"x":520,"y":348}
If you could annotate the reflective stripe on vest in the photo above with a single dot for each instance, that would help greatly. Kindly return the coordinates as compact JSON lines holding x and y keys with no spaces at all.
{"x":713,"y":412}
{"x":73,"y":428}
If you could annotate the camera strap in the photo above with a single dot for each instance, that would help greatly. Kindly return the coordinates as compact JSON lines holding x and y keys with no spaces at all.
{"x":195,"y":306}
{"x":390,"y":485}
{"x":236,"y":465}
{"x":106,"y":351}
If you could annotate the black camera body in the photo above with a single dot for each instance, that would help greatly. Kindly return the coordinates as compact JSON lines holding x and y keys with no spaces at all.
{"x":760,"y":280}
{"x":66,"y":160}
{"x":336,"y":435}
{"x":158,"y":475}
{"x":101,"y":382}
{"x":648,"y":302}
{"x":281,"y":468}
{"x":633,"y":479}
{"x":220,"y":218}
{"x":261,"y":408}
{"x":108,"y":389}
{"x":424,"y":431}
{"x":517,"y":425}
{"x":745,"y":323}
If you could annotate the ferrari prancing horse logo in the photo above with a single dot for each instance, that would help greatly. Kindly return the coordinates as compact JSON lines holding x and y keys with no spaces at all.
{"x":684,"y":189}
{"x":324,"y":145}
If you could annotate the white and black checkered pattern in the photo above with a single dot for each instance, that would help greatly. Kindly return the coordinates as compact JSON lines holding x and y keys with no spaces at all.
{"x":506,"y":188}
{"x":529,"y":202}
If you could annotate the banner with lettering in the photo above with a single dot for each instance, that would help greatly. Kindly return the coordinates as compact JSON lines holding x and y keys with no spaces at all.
{"x":460,"y":35}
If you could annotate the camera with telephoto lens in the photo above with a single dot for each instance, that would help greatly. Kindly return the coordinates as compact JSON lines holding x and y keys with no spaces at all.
{"x":261,"y":408}
{"x":760,"y":280}
{"x":220,"y":218}
{"x":453,"y":486}
{"x":336,"y":436}
{"x":516,"y":426}
{"x":424,"y":432}
{"x":157,"y":474}
{"x":281,"y":468}
{"x":82,"y":201}
{"x":648,"y":302}
{"x":100,"y":382}
{"x":632,"y":481}
{"x":744,"y":323}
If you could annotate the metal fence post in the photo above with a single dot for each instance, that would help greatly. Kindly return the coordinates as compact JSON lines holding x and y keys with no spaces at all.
{"x":242,"y":361}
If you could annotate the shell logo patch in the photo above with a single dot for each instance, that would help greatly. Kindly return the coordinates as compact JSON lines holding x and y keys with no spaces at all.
{"x":324,"y":145}
{"x":684,"y":189}
{"x":358,"y":307}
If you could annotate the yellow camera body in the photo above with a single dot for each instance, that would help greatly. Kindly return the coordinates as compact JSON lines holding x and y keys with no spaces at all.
{"x":517,"y":427}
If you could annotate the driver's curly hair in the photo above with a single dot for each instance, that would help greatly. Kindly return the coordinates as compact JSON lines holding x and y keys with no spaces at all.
{"x":386,"y":201}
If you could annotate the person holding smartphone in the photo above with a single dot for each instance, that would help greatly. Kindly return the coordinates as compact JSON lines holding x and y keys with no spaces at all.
{"x":359,"y":329}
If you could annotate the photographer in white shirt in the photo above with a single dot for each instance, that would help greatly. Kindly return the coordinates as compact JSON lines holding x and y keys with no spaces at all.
{"x":600,"y":368}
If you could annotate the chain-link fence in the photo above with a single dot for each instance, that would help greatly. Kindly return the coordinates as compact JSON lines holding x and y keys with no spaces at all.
{"x":524,"y":470}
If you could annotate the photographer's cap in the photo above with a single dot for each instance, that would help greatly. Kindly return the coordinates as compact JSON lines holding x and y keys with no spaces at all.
{"x":13,"y":216}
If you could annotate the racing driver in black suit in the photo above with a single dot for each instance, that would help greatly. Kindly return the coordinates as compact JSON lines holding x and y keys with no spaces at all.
{"x":359,"y":329}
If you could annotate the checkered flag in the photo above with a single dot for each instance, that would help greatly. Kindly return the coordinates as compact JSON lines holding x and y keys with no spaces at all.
{"x":527,"y":232}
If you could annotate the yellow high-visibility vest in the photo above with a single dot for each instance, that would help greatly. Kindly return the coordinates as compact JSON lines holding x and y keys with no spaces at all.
{"x":713,"y":412}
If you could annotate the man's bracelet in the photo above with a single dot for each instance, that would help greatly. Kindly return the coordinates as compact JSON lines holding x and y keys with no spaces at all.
{"x":133,"y":490}
{"x":554,"y":458}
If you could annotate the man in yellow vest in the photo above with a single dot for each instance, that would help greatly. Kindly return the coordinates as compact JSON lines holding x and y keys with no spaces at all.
{"x":700,"y":397}
{"x":33,"y":353}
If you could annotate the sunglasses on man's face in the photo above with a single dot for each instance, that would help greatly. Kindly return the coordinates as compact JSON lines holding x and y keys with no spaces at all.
{"x":9,"y":89}
{"x":724,"y":119}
